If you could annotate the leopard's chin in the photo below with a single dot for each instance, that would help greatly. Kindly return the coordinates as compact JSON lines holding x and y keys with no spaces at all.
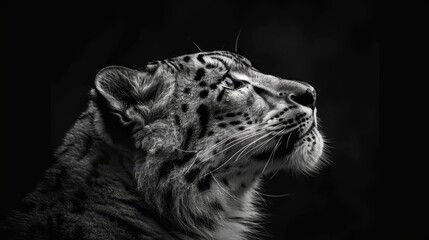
{"x":301,"y":153}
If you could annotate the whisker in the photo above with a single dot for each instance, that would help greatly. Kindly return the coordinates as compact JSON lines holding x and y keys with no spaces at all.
{"x":189,"y":151}
{"x":236,"y":40}
{"x":275,"y":149}
{"x":276,"y":172}
{"x":272,"y":154}
{"x":275,"y":195}
{"x":287,"y":142}
{"x":193,"y":162}
{"x":226,"y":191}
{"x":261,"y":198}
{"x":197,"y":46}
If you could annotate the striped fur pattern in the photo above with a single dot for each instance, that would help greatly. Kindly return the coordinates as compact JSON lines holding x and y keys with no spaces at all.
{"x":175,"y":150}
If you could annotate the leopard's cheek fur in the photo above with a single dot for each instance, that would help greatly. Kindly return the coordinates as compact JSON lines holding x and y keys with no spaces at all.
{"x":227,"y":132}
{"x":160,"y":136}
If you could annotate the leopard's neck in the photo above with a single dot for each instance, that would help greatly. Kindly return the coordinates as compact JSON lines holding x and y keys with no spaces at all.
{"x":207,"y":206}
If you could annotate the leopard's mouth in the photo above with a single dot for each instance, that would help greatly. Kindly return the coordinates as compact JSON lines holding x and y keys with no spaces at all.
{"x":287,"y":143}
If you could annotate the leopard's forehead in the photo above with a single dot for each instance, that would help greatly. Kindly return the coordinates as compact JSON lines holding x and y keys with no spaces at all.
{"x":228,"y":58}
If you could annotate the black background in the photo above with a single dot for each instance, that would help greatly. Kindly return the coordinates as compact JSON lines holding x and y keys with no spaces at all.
{"x":51,"y":56}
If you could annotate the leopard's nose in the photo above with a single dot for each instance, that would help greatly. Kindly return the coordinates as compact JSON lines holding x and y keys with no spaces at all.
{"x":305,"y":98}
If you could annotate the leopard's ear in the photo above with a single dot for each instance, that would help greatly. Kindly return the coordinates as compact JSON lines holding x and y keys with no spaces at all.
{"x":129,"y":93}
{"x":128,"y":97}
{"x":119,"y":86}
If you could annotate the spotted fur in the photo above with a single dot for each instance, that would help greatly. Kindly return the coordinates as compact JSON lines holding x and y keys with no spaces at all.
{"x":175,"y":150}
